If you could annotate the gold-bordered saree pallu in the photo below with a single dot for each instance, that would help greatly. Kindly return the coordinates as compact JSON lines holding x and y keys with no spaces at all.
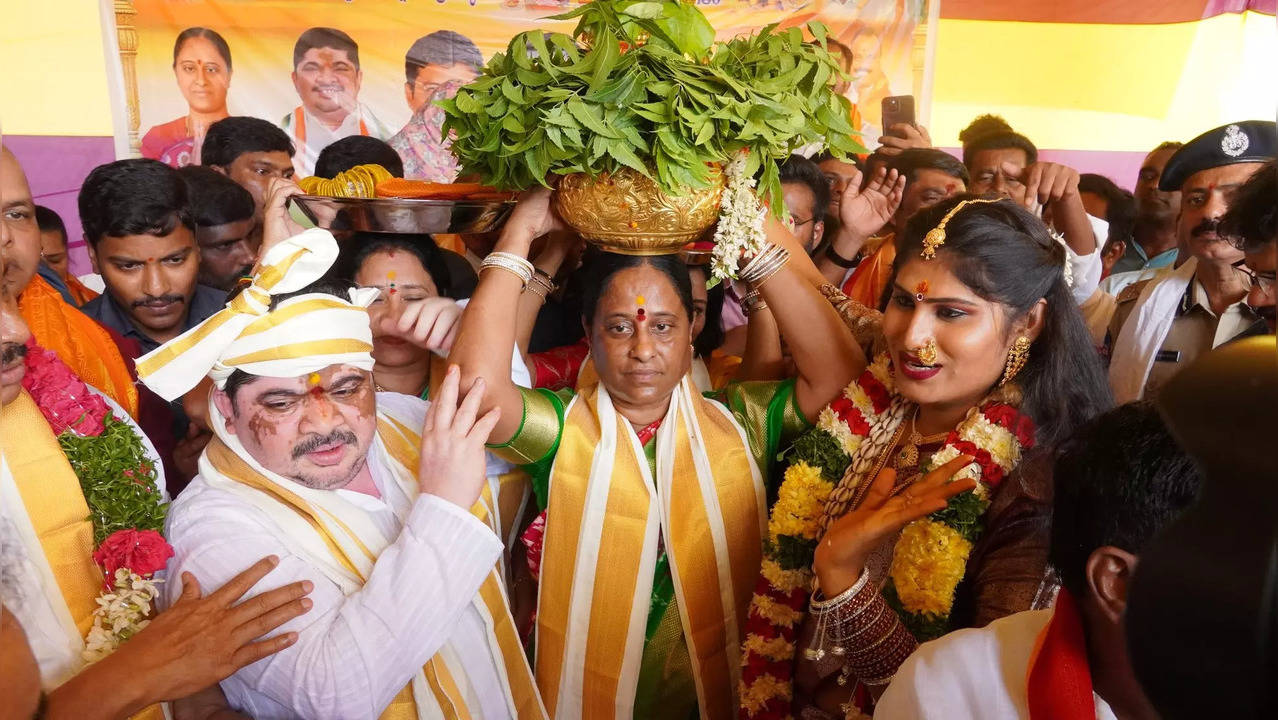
{"x":605,"y":515}
{"x":344,"y":544}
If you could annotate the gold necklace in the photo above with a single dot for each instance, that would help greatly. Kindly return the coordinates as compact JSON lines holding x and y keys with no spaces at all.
{"x":908,"y":455}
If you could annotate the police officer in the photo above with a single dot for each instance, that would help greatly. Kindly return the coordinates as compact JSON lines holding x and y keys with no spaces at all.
{"x":1164,"y":323}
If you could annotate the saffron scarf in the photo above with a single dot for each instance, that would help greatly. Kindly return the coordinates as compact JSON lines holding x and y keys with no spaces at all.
{"x":868,"y":281}
{"x":85,"y":346}
{"x":605,"y":514}
{"x":344,"y":544}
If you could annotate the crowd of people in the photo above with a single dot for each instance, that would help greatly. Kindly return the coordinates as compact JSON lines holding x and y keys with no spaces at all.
{"x":906,"y":465}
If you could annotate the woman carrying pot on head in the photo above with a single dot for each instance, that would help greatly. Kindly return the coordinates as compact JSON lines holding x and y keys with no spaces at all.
{"x":654,"y":495}
{"x":915,"y":506}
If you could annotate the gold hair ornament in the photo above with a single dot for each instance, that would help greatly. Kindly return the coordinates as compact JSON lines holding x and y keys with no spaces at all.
{"x":935,"y":237}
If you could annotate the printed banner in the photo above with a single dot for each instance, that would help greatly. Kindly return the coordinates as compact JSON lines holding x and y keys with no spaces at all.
{"x":326,"y":69}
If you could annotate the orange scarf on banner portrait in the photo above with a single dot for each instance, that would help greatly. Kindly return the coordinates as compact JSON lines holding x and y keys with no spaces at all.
{"x":605,"y":514}
{"x":79,"y":341}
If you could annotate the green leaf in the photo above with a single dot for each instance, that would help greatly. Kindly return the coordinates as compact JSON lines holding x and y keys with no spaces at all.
{"x":707,"y":132}
{"x":512,"y":93}
{"x":606,"y":51}
{"x":624,"y":155}
{"x":586,"y":115}
{"x":818,"y":31}
{"x":647,"y":10}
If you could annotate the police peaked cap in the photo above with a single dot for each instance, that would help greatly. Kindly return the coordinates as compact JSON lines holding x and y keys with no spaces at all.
{"x":1249,"y":141}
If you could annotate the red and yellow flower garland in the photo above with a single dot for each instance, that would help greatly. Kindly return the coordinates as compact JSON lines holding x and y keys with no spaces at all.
{"x":930,"y":557}
{"x":120,"y":486}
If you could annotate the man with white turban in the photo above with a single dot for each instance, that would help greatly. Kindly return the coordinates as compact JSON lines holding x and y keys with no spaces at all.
{"x":309,"y":463}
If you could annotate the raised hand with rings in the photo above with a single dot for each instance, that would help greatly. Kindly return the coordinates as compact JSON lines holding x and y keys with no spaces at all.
{"x":842,"y":552}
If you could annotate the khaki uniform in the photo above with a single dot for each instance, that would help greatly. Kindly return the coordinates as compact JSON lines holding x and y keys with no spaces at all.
{"x":1195,"y":331}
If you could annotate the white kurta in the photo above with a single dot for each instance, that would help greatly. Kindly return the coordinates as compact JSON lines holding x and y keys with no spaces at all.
{"x":354,"y":652}
{"x":973,"y":674}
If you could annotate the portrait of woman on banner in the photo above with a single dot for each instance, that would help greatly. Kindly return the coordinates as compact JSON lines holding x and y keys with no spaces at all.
{"x":202,"y":67}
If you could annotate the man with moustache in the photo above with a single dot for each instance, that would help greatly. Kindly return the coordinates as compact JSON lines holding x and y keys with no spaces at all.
{"x":1005,"y":162}
{"x":365,"y":495}
{"x":1162,"y":324}
{"x":137,"y":222}
{"x":50,"y":583}
{"x":327,"y":77}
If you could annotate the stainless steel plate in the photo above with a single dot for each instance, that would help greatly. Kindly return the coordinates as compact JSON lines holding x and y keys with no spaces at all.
{"x":399,"y":215}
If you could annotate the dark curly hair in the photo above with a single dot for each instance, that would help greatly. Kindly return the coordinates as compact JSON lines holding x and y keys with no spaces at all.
{"x":1006,"y":255}
{"x":1251,"y":221}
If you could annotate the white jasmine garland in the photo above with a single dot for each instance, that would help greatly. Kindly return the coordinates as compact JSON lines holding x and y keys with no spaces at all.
{"x":121,"y":614}
{"x":1069,"y":269}
{"x":741,"y":216}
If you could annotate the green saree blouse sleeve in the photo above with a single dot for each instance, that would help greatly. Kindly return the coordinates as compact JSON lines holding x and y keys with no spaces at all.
{"x":770,"y":415}
{"x":535,"y":443}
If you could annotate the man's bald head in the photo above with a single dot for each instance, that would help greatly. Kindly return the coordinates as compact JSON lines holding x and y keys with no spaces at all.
{"x":22,"y":239}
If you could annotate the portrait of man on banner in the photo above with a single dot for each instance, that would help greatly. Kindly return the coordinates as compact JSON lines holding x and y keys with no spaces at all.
{"x":327,"y":77}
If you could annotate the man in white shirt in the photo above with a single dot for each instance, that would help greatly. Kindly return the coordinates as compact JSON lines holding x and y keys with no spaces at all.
{"x":327,"y":78}
{"x":50,"y":584}
{"x":409,"y":613}
{"x":1119,"y":480}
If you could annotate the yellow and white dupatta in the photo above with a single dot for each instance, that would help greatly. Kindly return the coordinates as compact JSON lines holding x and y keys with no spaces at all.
{"x":343,"y":542}
{"x":605,"y":515}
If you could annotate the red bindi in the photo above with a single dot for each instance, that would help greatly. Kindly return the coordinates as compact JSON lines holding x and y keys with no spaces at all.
{"x":640,"y":316}
{"x":317,"y":391}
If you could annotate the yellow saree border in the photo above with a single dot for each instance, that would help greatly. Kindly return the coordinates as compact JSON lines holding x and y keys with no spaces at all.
{"x":587,"y":625}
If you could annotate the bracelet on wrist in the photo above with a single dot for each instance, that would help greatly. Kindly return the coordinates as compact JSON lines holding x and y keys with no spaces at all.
{"x":511,"y":263}
{"x":833,"y":256}
{"x":764,"y":265}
